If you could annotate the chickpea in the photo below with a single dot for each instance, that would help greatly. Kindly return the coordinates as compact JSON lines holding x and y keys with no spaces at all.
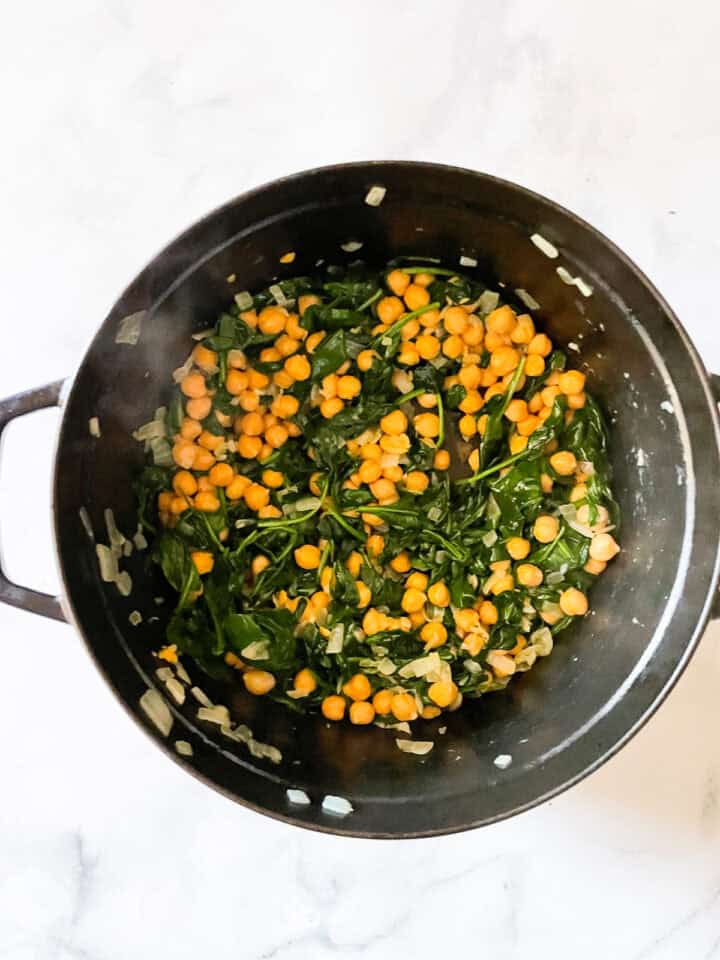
{"x":603,"y":547}
{"x":183,"y":453}
{"x":398,"y":281}
{"x":417,"y":581}
{"x":501,"y":320}
{"x":517,"y":443}
{"x":256,"y":496}
{"x":474,"y":332}
{"x":221,"y":475}
{"x":348,"y":387}
{"x":285,"y":406}
{"x":528,"y":575}
{"x":203,"y":561}
{"x":439,"y":595}
{"x":470,"y":376}
{"x":361,"y":713}
{"x":453,"y":346}
{"x":375,"y":544}
{"x":365,"y":360}
{"x":563,"y":463}
{"x":331,"y":407}
{"x":394,"y":423}
{"x":488,"y":613}
{"x":333,"y":707}
{"x":427,"y":424}
{"x":373,"y":622}
{"x":442,"y":692}
{"x":193,"y":385}
{"x":595,"y":567}
{"x":455,"y":320}
{"x":401,"y":563}
{"x":382,"y":488}
{"x":416,"y":296}
{"x":357,"y":687}
{"x":272,"y":320}
{"x":573,"y":603}
{"x":395,"y":444}
{"x":467,"y":426}
{"x":393,"y":472}
{"x":601,"y":515}
{"x":237,"y":487}
{"x":467,"y":619}
{"x":504,"y":360}
{"x":408,"y":355}
{"x":190,"y":429}
{"x":298,"y":367}
{"x":184,"y":483}
{"x":276,"y":436}
{"x":441,"y":460}
{"x":249,"y":447}
{"x":571,"y":382}
{"x":258,"y":682}
{"x":517,"y":410}
{"x":206,"y":502}
{"x":403,"y":707}
{"x":524,"y":329}
{"x":413,"y":600}
{"x":428,"y":346}
{"x":364,"y":594}
{"x":534,"y":365}
{"x":545,"y":528}
{"x":474,"y":457}
{"x":307,"y":557}
{"x":382,"y":702}
{"x":304,"y":682}
{"x":540,"y":345}
{"x":410,"y":330}
{"x":390,"y":309}
{"x":433,"y":635}
{"x":307,"y":300}
{"x":518,"y":547}
{"x":417,"y":481}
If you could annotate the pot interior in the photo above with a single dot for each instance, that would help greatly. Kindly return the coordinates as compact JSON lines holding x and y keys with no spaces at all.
{"x":605,"y":674}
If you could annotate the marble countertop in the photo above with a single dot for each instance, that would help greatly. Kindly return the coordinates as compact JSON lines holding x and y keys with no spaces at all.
{"x":124,"y":121}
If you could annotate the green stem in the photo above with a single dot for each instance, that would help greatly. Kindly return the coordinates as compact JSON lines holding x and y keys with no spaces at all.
{"x":370,"y":301}
{"x":435,"y":271}
{"x":406,"y":397}
{"x":283,"y":522}
{"x":346,"y":526}
{"x":441,"y":418}
{"x":399,"y":324}
{"x":490,"y":470}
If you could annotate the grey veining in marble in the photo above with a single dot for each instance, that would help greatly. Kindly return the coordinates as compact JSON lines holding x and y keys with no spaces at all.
{"x":122,"y":122}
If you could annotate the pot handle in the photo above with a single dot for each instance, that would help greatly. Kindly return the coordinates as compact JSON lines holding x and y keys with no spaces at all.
{"x":12,"y":593}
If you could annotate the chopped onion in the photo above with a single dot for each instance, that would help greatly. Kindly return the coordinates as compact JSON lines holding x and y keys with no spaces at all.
{"x":107,"y":562}
{"x":468,"y":261}
{"x":124,"y":584}
{"x":203,"y":334}
{"x":502,"y":761}
{"x":130,"y":327}
{"x":218,"y":714}
{"x":338,"y":806}
{"x":94,"y":427}
{"x":157,"y":711}
{"x":164,"y":674}
{"x":257,"y":650}
{"x":298,"y":797}
{"x":149,"y":431}
{"x":85,"y":520}
{"x":201,"y":697}
{"x":527,"y":298}
{"x":351,"y":246}
{"x":335,"y":640}
{"x":488,"y":301}
{"x":161,"y":452}
{"x":127,"y":548}
{"x":184,"y":748}
{"x":182,"y":673}
{"x":667,"y":407}
{"x":264,"y":751}
{"x":375,"y":196}
{"x":419,"y":747}
{"x":176,"y":690}
{"x":542,"y":641}
{"x":490,"y":538}
{"x":386,"y":667}
{"x":280,"y":299}
{"x":244,"y":300}
{"x":230,"y":278}
{"x":180,"y":373}
{"x":139,"y":539}
{"x":434,"y":514}
{"x":402,"y":380}
{"x":116,"y":538}
{"x":582,"y":285}
{"x":135,"y":618}
{"x":544,"y":246}
{"x":442,"y":730}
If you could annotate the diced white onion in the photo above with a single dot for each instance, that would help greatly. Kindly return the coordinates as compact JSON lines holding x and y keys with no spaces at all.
{"x":582,"y":285}
{"x":203,"y":334}
{"x":338,"y":806}
{"x":419,"y":747}
{"x":264,"y":751}
{"x":181,"y":372}
{"x":257,"y":650}
{"x":201,"y":697}
{"x":488,"y":301}
{"x":107,"y":562}
{"x":490,"y":538}
{"x":280,"y":299}
{"x":157,"y":711}
{"x":351,"y":246}
{"x":434,"y":514}
{"x":124,"y":584}
{"x":298,"y":797}
{"x":244,"y":300}
{"x":375,"y":196}
{"x":139,"y":540}
{"x":542,"y":641}
{"x":468,"y":261}
{"x":544,"y":246}
{"x":502,"y":761}
{"x":130,"y":327}
{"x":135,"y":618}
{"x":402,"y":380}
{"x":94,"y":427}
{"x":164,"y":674}
{"x":176,"y":690}
{"x":335,"y":640}
{"x":218,"y":714}
{"x":184,"y":748}
{"x":182,"y":673}
{"x":527,"y":298}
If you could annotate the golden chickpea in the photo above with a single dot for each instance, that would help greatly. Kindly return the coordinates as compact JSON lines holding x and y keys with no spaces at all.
{"x":408,"y":355}
{"x":441,"y":460}
{"x":518,"y":547}
{"x":193,"y":385}
{"x":248,"y":400}
{"x":595,"y":567}
{"x":603,"y":547}
{"x":357,"y":687}
{"x":453,"y":346}
{"x":203,"y":561}
{"x":286,"y":345}
{"x":314,"y":341}
{"x":417,"y":481}
{"x":249,"y":447}
{"x":398,"y":281}
{"x":504,"y":360}
{"x":330,"y":407}
{"x":401,"y":563}
{"x":203,"y":459}
{"x":273,"y":479}
{"x":571,"y":382}
{"x":416,"y":296}
{"x":256,"y":496}
{"x":184,"y":483}
{"x":413,"y":600}
{"x":390,"y":309}
{"x":438,"y":594}
{"x":272,"y":320}
{"x":524,"y":330}
{"x":298,"y":367}
{"x":394,"y":423}
{"x":403,"y":707}
{"x":427,"y":424}
{"x":501,"y":320}
{"x":382,"y":488}
{"x":382,"y":702}
{"x":307,"y":557}
{"x":442,"y":692}
{"x":375,"y":544}
{"x":206,"y":502}
{"x":198,"y":408}
{"x":276,"y":436}
{"x":221,"y":475}
{"x":395,"y":444}
{"x":304,"y":682}
{"x":545,"y":528}
{"x":333,"y":707}
{"x":540,"y":345}
{"x":472,"y":402}
{"x":573,"y":603}
{"x":433,"y":635}
{"x":361,"y":713}
{"x":470,"y":376}
{"x":488,"y":613}
{"x":455,"y":320}
{"x":365,"y":360}
{"x":534,"y":365}
{"x":348,"y":387}
{"x":307,"y":300}
{"x":428,"y":346}
{"x":517,"y":410}
{"x":528,"y":575}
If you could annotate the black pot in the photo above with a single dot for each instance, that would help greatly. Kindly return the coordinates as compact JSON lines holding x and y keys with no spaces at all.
{"x":606,"y":675}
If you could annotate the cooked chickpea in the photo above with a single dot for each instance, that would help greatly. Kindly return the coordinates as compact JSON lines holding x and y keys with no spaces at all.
{"x":307,"y":557}
{"x":517,"y":410}
{"x":413,"y":600}
{"x":563,"y":463}
{"x":595,"y":567}
{"x":528,"y":575}
{"x":357,"y":687}
{"x":455,"y":320}
{"x":221,"y":475}
{"x":382,"y":702}
{"x":400,"y":563}
{"x":330,"y":407}
{"x":501,"y":320}
{"x":272,"y":320}
{"x":416,"y":297}
{"x":433,"y":635}
{"x":203,"y":561}
{"x":304,"y":682}
{"x":184,"y":483}
{"x":470,"y":376}
{"x":403,"y":707}
{"x":206,"y":502}
{"x":540,"y":345}
{"x":427,"y":424}
{"x":438,"y":594}
{"x":573,"y":603}
{"x":333,"y":707}
{"x":203,"y":459}
{"x":428,"y":346}
{"x":545,"y":528}
{"x":524,"y":329}
{"x":488,"y":613}
{"x":442,"y":692}
{"x":441,"y":460}
{"x":518,"y":547}
{"x":571,"y":382}
{"x":276,"y":436}
{"x":534,"y":365}
{"x":390,"y":309}
{"x":417,"y":580}
{"x":249,"y":447}
{"x":258,"y":682}
{"x":348,"y":387}
{"x":361,"y":713}
{"x":603,"y":547}
{"x":394,"y":423}
{"x":398,"y":281}
{"x":466,"y":619}
{"x":416,"y":481}
{"x":306,"y":300}
{"x":453,"y":346}
{"x":375,"y":544}
{"x":193,"y":385}
{"x":395,"y":444}
{"x":298,"y":367}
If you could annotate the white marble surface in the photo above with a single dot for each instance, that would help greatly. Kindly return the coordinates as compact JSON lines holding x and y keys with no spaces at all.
{"x":122,"y":122}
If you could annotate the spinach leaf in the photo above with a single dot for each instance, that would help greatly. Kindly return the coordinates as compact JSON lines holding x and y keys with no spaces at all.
{"x":331,"y":354}
{"x":273,"y":627}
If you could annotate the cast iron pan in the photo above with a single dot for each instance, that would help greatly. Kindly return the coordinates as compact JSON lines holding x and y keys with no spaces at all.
{"x":605,"y":676}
